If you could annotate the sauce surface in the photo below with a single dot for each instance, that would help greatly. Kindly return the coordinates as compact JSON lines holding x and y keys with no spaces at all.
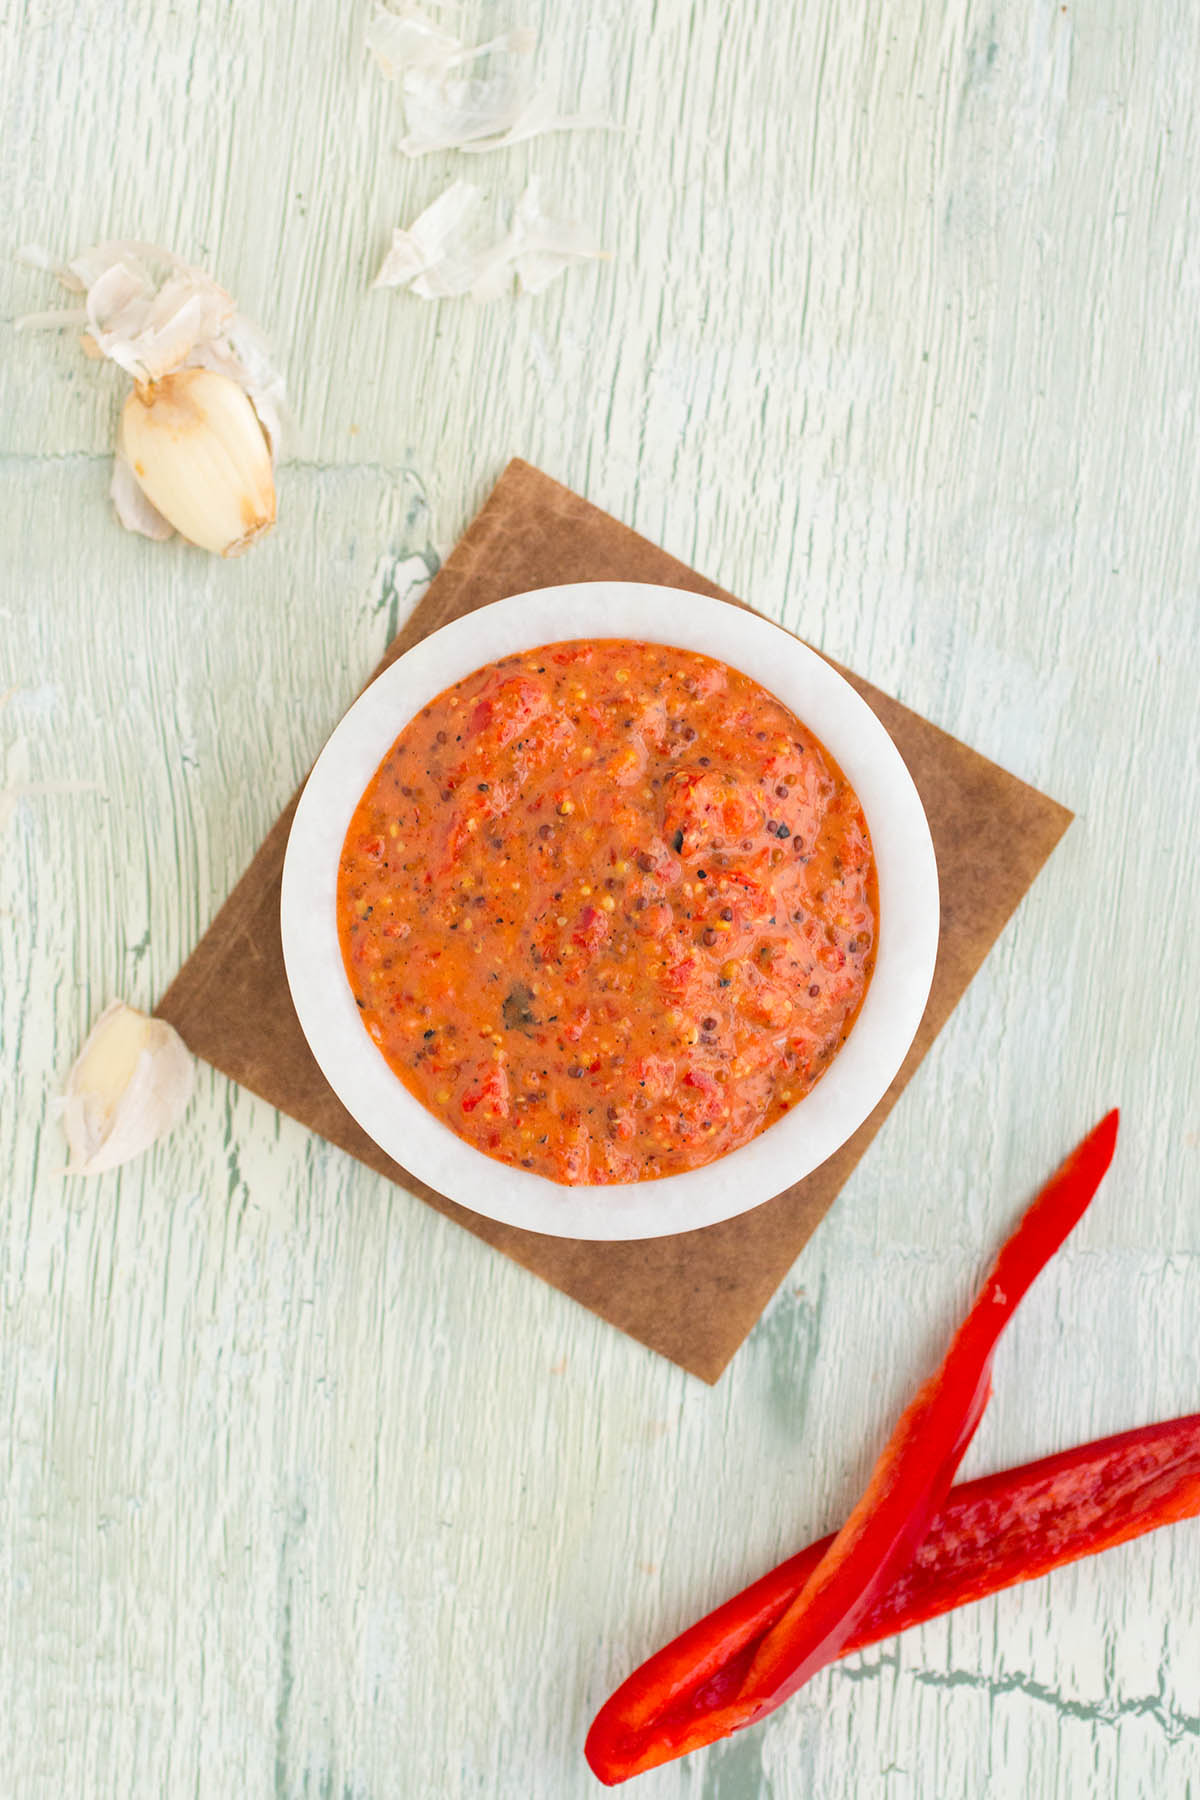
{"x":608,"y":909}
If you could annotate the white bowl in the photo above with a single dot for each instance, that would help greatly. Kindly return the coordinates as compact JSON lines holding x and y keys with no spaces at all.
{"x":855,"y":1081}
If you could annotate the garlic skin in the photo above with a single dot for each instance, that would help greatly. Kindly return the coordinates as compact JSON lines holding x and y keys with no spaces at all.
{"x":461,"y":96}
{"x":196,"y":450}
{"x":129,"y":1086}
{"x":153,"y":315}
{"x":453,"y":249}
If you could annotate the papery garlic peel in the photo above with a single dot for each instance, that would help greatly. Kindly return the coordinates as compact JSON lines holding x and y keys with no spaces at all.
{"x":199,"y":454}
{"x":460,"y":96}
{"x":129,"y":1086}
{"x":450,"y":250}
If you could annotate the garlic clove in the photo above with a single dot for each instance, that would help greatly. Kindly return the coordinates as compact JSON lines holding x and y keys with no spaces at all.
{"x":199,"y":454}
{"x":129,"y":1086}
{"x":131,"y":505}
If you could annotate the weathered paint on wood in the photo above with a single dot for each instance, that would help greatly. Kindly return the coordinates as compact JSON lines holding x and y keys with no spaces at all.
{"x":305,"y":1492}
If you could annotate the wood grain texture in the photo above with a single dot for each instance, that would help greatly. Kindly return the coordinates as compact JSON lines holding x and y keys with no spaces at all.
{"x":307,"y":1493}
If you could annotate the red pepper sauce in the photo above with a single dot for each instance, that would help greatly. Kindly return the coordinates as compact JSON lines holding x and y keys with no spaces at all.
{"x":608,"y":909}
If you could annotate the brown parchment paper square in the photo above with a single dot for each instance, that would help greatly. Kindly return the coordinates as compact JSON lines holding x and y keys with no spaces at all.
{"x":693,"y":1298}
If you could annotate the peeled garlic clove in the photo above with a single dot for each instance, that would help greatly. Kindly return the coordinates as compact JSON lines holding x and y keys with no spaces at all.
{"x":131,"y":505}
{"x":201,"y":458}
{"x":130,"y":1085}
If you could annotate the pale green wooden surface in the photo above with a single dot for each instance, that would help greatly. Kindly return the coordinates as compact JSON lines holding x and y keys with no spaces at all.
{"x":303,"y":1491}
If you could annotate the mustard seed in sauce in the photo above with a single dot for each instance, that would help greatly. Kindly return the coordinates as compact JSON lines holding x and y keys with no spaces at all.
{"x":589,"y":1028}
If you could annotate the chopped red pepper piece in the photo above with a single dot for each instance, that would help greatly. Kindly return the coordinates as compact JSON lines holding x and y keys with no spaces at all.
{"x":992,"y":1533}
{"x":907,"y":1486}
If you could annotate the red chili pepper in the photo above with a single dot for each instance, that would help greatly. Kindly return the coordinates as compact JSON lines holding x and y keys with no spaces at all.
{"x":907,"y":1486}
{"x":991,"y":1534}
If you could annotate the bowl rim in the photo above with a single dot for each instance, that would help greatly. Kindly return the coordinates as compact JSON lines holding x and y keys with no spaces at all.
{"x":906,"y":952}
